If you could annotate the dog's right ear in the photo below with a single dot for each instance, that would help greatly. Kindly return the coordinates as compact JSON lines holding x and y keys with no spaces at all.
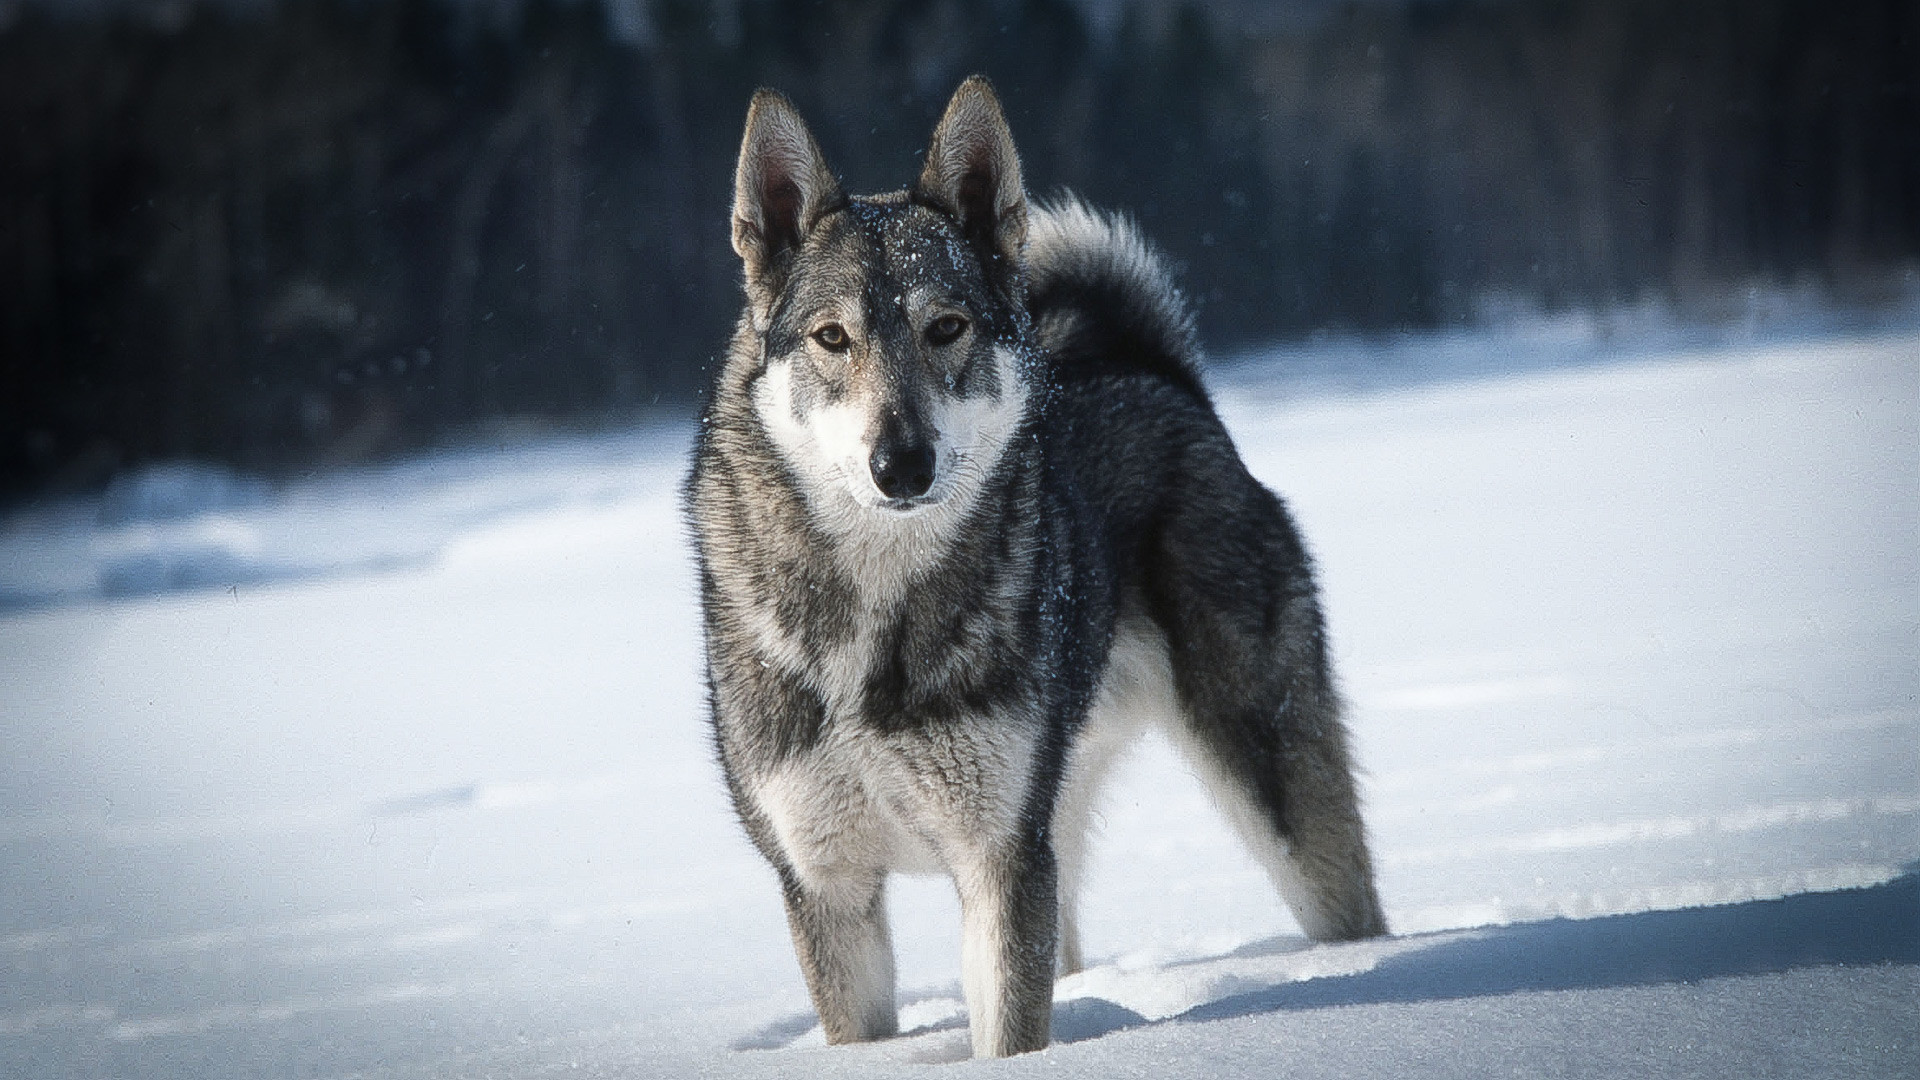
{"x":781,"y":188}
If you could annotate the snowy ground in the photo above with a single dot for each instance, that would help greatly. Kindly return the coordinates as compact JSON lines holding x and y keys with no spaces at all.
{"x":403,"y":773}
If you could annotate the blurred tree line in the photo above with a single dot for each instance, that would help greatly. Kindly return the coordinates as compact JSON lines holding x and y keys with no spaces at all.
{"x":318,"y":230}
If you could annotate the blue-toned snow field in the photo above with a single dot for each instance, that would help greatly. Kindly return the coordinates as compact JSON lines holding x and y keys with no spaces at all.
{"x":404,"y":771}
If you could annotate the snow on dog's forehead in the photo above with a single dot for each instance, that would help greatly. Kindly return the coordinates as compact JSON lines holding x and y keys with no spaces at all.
{"x":916,"y":240}
{"x":902,"y":250}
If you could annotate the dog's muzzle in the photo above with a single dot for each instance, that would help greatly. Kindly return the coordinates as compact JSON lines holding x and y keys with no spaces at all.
{"x":902,"y":471}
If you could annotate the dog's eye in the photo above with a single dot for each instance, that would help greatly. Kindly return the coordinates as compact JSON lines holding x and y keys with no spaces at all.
{"x":833,"y":337}
{"x":945,"y":329}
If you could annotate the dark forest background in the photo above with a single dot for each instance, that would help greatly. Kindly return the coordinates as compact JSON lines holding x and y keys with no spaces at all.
{"x":321,"y":230}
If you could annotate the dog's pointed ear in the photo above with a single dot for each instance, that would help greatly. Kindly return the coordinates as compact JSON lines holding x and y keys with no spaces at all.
{"x":781,"y":187}
{"x":973,"y":172}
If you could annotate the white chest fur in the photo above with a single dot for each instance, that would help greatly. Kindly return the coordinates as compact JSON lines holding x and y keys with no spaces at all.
{"x":861,"y":802}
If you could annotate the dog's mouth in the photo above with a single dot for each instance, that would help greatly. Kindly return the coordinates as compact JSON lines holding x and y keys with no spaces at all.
{"x":910,"y":505}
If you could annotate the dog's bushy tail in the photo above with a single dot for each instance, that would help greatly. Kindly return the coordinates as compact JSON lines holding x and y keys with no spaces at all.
{"x":1103,"y":300}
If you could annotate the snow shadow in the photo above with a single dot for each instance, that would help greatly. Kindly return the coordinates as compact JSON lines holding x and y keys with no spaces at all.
{"x":926,"y":1017}
{"x":1878,"y":925}
{"x":922,"y":1013}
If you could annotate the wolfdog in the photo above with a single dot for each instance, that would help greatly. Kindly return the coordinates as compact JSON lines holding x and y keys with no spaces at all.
{"x":965,"y":522}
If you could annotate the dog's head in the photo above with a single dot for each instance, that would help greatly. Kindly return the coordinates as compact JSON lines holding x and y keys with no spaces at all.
{"x":892,"y":328}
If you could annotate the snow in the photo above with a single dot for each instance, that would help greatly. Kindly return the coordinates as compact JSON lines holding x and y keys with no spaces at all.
{"x":403,"y":772}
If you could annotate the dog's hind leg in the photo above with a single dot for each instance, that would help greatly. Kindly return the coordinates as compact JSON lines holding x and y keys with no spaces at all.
{"x":1073,"y":831}
{"x":1261,"y":719}
{"x":1073,"y":834}
{"x":840,"y":935}
{"x":1136,"y":688}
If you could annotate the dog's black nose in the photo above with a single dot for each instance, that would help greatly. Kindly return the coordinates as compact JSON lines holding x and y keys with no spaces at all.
{"x":902,"y":471}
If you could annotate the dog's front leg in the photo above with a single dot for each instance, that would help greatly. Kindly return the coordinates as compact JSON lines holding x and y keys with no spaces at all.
{"x":1009,"y":922}
{"x":840,"y":935}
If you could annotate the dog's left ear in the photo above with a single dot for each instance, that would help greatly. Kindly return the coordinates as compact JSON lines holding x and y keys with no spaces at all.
{"x":973,"y":172}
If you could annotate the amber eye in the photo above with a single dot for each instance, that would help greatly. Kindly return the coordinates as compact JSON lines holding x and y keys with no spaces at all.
{"x":945,"y":329}
{"x":833,"y":337}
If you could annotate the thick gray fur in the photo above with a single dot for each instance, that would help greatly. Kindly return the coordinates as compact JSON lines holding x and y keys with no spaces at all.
{"x":966,"y":521}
